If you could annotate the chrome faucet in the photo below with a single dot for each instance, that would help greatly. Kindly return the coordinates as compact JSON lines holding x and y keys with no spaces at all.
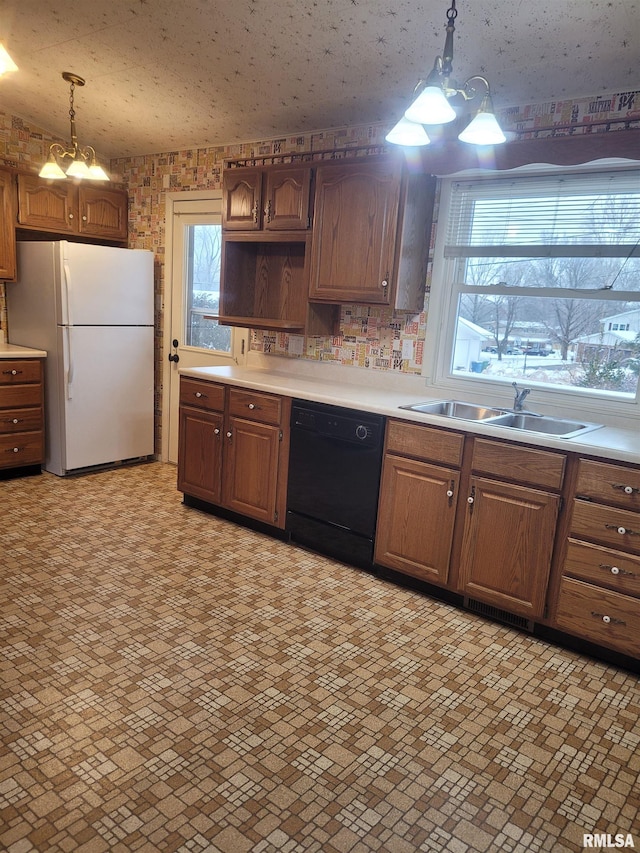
{"x":521,"y":396}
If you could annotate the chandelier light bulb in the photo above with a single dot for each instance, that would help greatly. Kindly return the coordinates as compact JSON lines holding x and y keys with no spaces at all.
{"x":430,"y":107}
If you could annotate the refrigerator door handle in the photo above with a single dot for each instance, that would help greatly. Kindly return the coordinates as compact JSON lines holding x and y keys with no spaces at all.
{"x":66,"y":314}
{"x":69,"y":380}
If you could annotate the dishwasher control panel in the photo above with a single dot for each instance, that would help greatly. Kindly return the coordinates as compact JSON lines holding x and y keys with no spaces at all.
{"x":338,"y":423}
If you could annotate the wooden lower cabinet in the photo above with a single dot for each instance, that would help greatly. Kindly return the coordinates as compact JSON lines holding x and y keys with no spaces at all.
{"x":251,"y":469}
{"x":21,"y":413}
{"x":200,"y":454}
{"x":507,"y":545}
{"x":416,"y":517}
{"x":233,"y":448}
{"x":599,"y":591}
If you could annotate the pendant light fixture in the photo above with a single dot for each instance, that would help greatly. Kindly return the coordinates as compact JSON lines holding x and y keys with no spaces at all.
{"x":431,"y":104}
{"x":83,"y":160}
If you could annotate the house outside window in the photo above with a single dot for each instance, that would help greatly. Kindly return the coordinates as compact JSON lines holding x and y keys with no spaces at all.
{"x":549,"y":268}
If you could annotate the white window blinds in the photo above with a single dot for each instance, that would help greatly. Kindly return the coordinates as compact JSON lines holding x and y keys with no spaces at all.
{"x":573,"y":215}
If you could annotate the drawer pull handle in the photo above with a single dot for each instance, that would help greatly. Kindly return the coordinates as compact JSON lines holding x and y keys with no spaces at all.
{"x":616,"y":570}
{"x":628,"y":490}
{"x":216,"y":431}
{"x":199,"y":394}
{"x":449,"y":493}
{"x":623,"y":531}
{"x":608,"y":620}
{"x":12,"y":450}
{"x":11,"y":372}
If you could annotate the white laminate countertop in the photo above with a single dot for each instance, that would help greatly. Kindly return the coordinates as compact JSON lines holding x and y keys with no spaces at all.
{"x":14,"y":351}
{"x":369,"y":396}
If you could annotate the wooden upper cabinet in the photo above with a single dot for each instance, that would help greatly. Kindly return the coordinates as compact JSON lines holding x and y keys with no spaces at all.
{"x":7,"y":227}
{"x":242,"y":199}
{"x":371,"y":233}
{"x":64,"y":207}
{"x":47,"y":205}
{"x":355,"y":225}
{"x":103,"y":212}
{"x":286,"y":199}
{"x":271,"y":199}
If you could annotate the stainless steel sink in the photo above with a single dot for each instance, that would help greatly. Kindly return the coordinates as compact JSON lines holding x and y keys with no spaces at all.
{"x":545,"y":424}
{"x":525,"y":421}
{"x":456,"y":409}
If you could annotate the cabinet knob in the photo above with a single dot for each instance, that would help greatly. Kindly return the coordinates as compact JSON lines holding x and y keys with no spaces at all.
{"x":615,"y":570}
{"x":384,"y":283}
{"x":628,"y":490}
{"x":15,"y":421}
{"x":470,"y":500}
{"x":229,"y":434}
{"x":623,"y":531}
{"x":449,"y":493}
{"x":252,"y":405}
{"x":84,"y":218}
{"x":216,"y":431}
{"x":606,"y":619}
{"x":71,"y":216}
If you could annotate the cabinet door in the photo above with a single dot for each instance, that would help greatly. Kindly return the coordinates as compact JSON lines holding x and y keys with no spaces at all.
{"x":7,"y":227}
{"x":251,"y":469}
{"x":507,"y":545}
{"x":200,"y":454}
{"x":354,"y":233}
{"x":242,"y":199}
{"x":415,"y":518}
{"x":103,"y":213}
{"x":286,"y":204}
{"x":47,"y":205}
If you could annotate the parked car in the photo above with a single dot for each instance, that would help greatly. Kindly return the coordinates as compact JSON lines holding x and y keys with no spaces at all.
{"x":537,"y":351}
{"x":513,"y":351}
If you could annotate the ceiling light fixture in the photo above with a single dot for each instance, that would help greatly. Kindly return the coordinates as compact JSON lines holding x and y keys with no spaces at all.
{"x":83,"y":160}
{"x":6,"y":63}
{"x":431,"y":104}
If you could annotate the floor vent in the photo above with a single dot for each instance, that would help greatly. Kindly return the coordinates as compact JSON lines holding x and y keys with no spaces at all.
{"x":498,"y":615}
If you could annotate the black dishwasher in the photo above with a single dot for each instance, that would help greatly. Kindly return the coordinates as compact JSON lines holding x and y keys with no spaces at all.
{"x":334,"y":477}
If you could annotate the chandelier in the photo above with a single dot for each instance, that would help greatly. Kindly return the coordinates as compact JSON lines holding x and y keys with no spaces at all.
{"x":83,"y":160}
{"x":431,"y":104}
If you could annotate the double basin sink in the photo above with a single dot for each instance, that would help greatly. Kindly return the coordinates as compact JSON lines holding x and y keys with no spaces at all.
{"x":525,"y":421}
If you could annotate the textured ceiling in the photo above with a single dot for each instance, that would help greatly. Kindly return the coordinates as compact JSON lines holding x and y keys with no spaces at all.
{"x":165,"y":74}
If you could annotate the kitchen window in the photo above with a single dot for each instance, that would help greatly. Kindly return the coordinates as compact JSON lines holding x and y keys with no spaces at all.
{"x":537,"y":280}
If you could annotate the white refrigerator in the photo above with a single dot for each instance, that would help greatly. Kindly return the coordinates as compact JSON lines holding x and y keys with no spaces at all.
{"x":91,"y":308}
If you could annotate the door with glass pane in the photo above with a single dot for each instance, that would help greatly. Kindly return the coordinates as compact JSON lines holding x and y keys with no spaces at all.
{"x":196,"y":339}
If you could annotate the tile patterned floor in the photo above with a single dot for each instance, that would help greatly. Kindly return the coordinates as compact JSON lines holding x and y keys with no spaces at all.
{"x":171,"y":682}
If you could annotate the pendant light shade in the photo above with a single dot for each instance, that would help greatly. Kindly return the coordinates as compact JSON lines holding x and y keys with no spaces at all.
{"x":431,"y":107}
{"x":6,"y":63}
{"x":408,"y":133}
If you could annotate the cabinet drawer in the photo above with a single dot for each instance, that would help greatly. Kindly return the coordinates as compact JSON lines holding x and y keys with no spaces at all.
{"x":21,"y":449}
{"x":17,"y":396}
{"x":599,"y":615}
{"x":423,"y":442}
{"x":255,"y":406}
{"x":523,"y":464}
{"x":616,"y":527}
{"x":609,"y":484}
{"x":603,"y":566}
{"x":16,"y":372}
{"x":20,"y":420}
{"x":204,"y":395}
